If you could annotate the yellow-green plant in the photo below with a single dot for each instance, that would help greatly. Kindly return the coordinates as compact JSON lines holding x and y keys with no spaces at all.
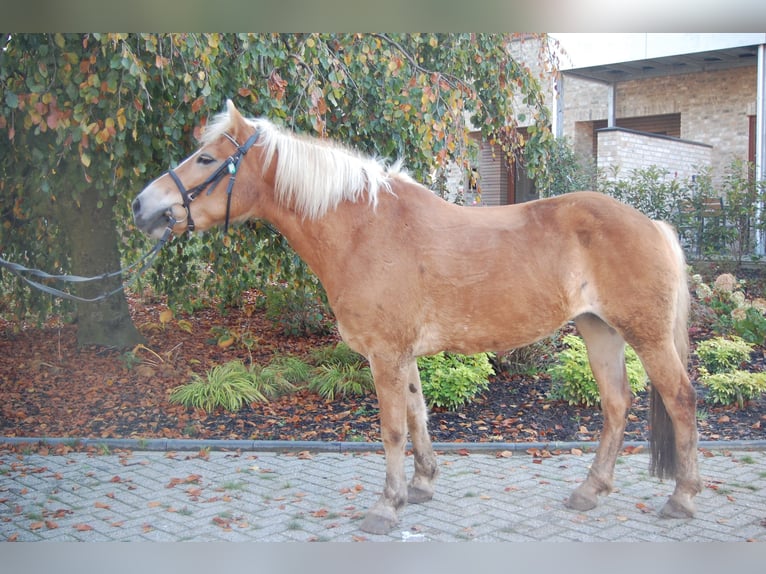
{"x":229,"y":386}
{"x":450,"y":380}
{"x":335,"y":379}
{"x":722,"y":354}
{"x":573,"y":380}
{"x":733,"y":387}
{"x":719,"y":371}
{"x":339,"y":353}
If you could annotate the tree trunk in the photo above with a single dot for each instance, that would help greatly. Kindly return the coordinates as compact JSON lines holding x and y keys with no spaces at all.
{"x":93,"y":240}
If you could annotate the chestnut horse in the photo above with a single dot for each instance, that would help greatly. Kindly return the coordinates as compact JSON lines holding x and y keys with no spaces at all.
{"x":409,"y":274}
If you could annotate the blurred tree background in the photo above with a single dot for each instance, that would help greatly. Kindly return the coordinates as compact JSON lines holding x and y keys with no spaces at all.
{"x":87,"y":120}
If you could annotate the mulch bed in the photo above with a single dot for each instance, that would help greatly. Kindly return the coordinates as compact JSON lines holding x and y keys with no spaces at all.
{"x":50,"y":388}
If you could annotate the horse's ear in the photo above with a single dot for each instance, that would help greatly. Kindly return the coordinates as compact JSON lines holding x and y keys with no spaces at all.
{"x":233,"y":112}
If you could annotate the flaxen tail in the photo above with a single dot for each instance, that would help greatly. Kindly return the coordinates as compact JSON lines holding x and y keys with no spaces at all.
{"x":662,"y":441}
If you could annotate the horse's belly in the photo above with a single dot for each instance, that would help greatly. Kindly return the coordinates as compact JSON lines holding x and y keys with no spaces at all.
{"x":469,"y":337}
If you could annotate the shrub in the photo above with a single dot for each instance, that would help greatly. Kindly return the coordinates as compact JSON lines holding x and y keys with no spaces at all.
{"x":450,"y":380}
{"x":733,"y":387}
{"x":339,"y":371}
{"x":573,"y":380}
{"x":284,"y":373}
{"x":528,"y":360}
{"x":230,"y":386}
{"x":743,"y":197}
{"x":719,"y":372}
{"x":339,"y":353}
{"x":333,"y":380}
{"x":749,"y":323}
{"x":734,"y":312}
{"x":722,"y":355}
{"x":651,"y":190}
{"x":297,"y":310}
{"x":568,"y":172}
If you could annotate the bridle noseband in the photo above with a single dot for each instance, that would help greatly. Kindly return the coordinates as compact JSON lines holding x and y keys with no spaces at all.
{"x":230,"y":166}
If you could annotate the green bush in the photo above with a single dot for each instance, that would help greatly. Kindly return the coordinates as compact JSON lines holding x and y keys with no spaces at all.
{"x":450,"y":380}
{"x":720,"y":360}
{"x":297,"y":311}
{"x":749,"y":323}
{"x":229,"y":386}
{"x":335,"y":379}
{"x":339,"y":353}
{"x":733,"y":387}
{"x":733,"y":311}
{"x":573,"y":380}
{"x":722,"y":355}
{"x":568,"y":172}
{"x":651,"y":190}
{"x":530,"y":359}
{"x":339,"y":371}
{"x":285,"y":373}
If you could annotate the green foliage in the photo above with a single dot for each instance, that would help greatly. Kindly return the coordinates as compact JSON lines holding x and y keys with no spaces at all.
{"x":340,"y":354}
{"x":451,"y":380}
{"x":573,"y":379}
{"x":109,"y":112}
{"x":297,"y":310}
{"x":567,"y":173}
{"x":743,"y":196}
{"x":340,"y":372}
{"x":720,"y":374}
{"x":733,"y":387}
{"x":331,"y":380}
{"x":729,"y":231}
{"x":721,"y":355}
{"x":733,"y":312}
{"x":528,"y":360}
{"x":286,"y":373}
{"x":651,"y":190}
{"x":750,"y":324}
{"x":229,"y":386}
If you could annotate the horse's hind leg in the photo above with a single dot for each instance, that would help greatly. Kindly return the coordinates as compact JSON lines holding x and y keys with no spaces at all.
{"x":421,"y":487}
{"x":606,"y":354}
{"x":674,"y":428}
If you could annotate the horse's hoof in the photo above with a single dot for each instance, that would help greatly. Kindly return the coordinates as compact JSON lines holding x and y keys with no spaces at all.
{"x":418,"y":495}
{"x":379,"y":522}
{"x":675,"y":509}
{"x":580,"y":501}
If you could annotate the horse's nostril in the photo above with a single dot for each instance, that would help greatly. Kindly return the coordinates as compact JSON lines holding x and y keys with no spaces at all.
{"x":136,"y":205}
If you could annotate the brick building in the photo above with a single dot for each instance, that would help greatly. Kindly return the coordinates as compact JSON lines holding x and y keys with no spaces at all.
{"x":701,"y":91}
{"x":681,"y":102}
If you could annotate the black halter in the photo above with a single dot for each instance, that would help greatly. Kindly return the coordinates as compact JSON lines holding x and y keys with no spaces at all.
{"x":229,"y":166}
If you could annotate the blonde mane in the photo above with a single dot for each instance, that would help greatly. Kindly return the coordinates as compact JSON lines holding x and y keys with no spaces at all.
{"x":313,"y":176}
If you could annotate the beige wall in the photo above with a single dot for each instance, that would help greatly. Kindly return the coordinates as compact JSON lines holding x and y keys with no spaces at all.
{"x":628,"y":151}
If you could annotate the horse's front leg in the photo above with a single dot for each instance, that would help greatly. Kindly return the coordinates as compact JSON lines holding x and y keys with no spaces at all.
{"x":421,"y":488}
{"x":390,"y":385}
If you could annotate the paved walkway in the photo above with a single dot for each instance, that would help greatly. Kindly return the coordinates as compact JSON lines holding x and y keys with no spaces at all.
{"x":310,"y":495}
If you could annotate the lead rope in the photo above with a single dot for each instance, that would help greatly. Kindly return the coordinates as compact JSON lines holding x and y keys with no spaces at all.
{"x":147,"y":260}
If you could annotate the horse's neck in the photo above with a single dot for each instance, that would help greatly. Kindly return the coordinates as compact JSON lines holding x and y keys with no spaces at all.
{"x":311,"y":239}
{"x":327,"y":244}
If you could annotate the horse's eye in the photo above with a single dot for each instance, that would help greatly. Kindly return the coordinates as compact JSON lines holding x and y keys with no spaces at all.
{"x":205,"y":159}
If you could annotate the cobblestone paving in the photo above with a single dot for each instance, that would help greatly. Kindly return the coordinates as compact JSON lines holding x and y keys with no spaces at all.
{"x":318,"y":496}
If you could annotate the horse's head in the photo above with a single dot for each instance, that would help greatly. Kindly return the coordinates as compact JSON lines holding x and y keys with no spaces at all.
{"x":206,"y":188}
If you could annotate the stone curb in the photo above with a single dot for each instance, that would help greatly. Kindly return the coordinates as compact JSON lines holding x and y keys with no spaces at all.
{"x":344,"y":447}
